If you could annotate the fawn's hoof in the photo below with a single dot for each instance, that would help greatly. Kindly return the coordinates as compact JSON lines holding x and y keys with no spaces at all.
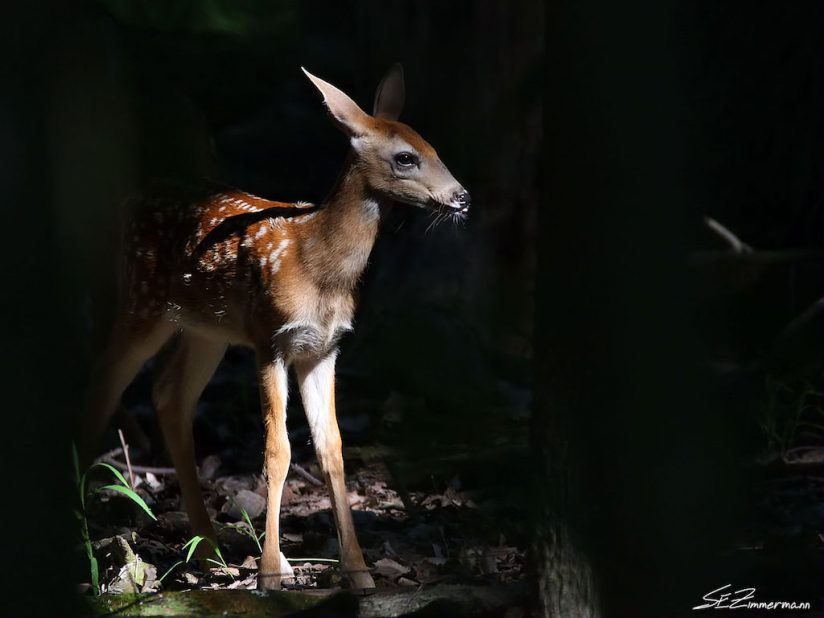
{"x":271,"y":579}
{"x":360,"y":578}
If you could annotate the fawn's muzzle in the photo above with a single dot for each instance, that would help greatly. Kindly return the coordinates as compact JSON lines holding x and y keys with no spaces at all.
{"x":461,"y":201}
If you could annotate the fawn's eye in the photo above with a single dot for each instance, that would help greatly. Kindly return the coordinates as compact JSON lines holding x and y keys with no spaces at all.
{"x":405,"y":159}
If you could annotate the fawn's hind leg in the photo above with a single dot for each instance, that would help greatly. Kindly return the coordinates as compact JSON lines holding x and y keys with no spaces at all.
{"x":130,"y":345}
{"x":175,"y":395}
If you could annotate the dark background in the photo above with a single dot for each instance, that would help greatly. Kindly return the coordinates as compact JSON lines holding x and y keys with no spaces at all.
{"x":594,"y":137}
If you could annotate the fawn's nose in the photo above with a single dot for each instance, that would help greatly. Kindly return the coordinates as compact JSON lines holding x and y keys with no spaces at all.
{"x":462,"y":199}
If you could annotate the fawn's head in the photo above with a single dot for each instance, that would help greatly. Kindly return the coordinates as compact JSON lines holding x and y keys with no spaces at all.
{"x":396,"y":162}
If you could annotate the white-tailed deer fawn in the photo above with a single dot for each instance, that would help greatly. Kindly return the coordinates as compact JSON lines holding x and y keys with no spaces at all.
{"x":223,"y":267}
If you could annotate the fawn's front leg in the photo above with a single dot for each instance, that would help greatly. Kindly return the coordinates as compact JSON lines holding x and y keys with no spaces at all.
{"x":317,"y":388}
{"x":273,"y":391}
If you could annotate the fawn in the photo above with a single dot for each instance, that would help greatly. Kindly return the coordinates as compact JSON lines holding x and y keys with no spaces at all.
{"x":218,"y":266}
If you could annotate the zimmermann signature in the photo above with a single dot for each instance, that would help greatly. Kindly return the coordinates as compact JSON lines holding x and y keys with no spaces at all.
{"x":744,"y":598}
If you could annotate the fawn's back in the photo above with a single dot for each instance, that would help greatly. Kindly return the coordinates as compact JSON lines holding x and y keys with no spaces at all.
{"x":232,"y":266}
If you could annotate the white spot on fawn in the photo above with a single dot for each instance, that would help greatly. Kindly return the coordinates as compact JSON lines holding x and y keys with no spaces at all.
{"x":275,"y":256}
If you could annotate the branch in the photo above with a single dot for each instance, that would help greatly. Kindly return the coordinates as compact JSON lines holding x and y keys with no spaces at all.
{"x":305,"y":475}
{"x":126,"y":455}
{"x":111,"y":459}
{"x":735,"y":243}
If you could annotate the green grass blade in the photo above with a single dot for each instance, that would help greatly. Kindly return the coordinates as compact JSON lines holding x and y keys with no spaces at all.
{"x":113,"y":470}
{"x":75,"y":464}
{"x":253,"y":534}
{"x":82,"y":490}
{"x":171,"y":568}
{"x":192,"y":545}
{"x":219,"y":555}
{"x":95,"y":575}
{"x":130,"y":493}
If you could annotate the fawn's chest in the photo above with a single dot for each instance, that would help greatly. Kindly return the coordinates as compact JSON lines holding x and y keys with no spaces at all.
{"x":301,"y":339}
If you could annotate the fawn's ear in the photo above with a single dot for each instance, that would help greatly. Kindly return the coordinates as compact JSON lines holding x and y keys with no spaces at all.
{"x":390,"y":94}
{"x":351,"y":118}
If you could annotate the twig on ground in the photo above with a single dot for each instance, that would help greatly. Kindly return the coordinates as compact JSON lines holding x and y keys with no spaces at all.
{"x":126,"y":455}
{"x":305,"y":475}
{"x":111,"y":459}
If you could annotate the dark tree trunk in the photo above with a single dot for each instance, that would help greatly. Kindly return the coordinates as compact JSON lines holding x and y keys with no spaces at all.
{"x":630,"y":456}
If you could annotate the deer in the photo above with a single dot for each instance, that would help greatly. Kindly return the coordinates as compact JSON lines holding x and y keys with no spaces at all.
{"x":215,"y":266}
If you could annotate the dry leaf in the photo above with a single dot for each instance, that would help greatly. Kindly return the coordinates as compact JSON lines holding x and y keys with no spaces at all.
{"x":389,"y":568}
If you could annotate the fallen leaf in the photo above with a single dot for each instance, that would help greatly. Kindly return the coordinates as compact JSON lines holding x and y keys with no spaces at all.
{"x":249,"y":562}
{"x":389,"y":568}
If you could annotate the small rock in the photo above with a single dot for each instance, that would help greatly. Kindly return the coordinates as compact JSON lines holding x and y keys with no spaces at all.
{"x":244,"y":500}
{"x":209,"y":467}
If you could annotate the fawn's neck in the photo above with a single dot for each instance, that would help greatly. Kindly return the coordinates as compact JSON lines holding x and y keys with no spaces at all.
{"x":337,"y":252}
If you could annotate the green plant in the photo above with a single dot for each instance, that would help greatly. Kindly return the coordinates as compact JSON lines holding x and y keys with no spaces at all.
{"x":122,"y":487}
{"x":248,"y":529}
{"x":192,"y":545}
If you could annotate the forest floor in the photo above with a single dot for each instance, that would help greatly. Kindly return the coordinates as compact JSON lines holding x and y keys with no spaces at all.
{"x":421,"y":524}
{"x":446,"y":540}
